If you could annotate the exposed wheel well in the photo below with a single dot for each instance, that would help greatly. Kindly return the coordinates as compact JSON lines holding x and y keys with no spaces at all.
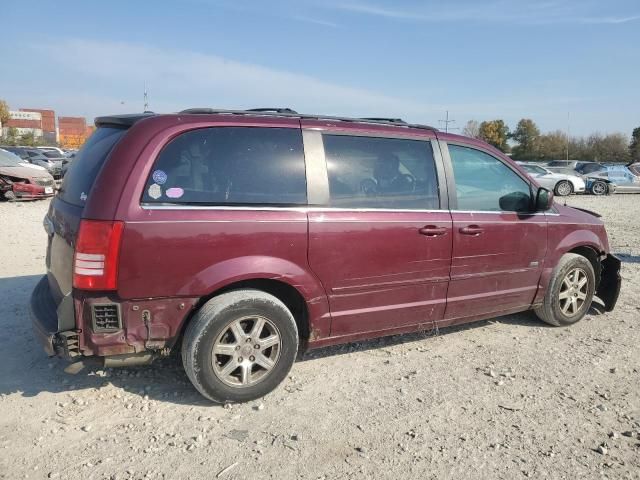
{"x":593,"y":257}
{"x":282,"y":291}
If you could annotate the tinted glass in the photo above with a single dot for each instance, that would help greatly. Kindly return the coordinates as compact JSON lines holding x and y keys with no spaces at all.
{"x":484,"y":183}
{"x":368,"y":172}
{"x":589,"y":168}
{"x":230,"y":165}
{"x":82,"y":173}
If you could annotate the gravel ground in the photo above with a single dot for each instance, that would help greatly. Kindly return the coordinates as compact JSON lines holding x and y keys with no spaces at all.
{"x":505,"y":398}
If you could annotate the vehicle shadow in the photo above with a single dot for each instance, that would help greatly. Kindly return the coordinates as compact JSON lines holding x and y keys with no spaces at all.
{"x":25,"y":369}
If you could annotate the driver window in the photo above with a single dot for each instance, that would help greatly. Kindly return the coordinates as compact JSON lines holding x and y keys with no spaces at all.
{"x":484,"y":183}
{"x":373,"y":172}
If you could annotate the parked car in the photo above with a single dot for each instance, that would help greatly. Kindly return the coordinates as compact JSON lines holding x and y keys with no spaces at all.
{"x":561,"y":184}
{"x":242,"y":238}
{"x":634,"y":168}
{"x":59,"y":151}
{"x":36,"y":157}
{"x":22,"y":181}
{"x":623,"y":177}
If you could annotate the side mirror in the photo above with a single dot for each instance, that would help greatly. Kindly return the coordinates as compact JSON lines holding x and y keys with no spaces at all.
{"x":544,"y":200}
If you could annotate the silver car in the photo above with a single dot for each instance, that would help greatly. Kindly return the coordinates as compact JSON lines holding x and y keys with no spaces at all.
{"x":562,"y":184}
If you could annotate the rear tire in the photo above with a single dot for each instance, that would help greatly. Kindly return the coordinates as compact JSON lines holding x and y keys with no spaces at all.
{"x":239,"y":346}
{"x":570,"y":292}
{"x":563,"y":188}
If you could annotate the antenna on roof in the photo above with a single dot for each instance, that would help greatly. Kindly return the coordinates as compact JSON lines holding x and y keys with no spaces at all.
{"x":146,"y":98}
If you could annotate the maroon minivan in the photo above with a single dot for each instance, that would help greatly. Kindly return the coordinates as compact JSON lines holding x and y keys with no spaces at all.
{"x":246,"y":237}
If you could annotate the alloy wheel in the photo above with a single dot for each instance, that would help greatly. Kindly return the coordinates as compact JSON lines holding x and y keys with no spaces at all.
{"x":564,"y":189}
{"x":599,"y":188}
{"x":246,"y":351}
{"x":573,"y":292}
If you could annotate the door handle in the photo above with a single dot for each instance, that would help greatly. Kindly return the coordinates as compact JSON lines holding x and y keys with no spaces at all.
{"x":474,"y":230}
{"x":432,"y":231}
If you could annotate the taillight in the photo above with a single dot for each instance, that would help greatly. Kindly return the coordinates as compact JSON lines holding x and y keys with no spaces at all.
{"x":95,"y":263}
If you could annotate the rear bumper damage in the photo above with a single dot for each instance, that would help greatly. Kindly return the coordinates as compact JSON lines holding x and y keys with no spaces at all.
{"x":45,"y":323}
{"x":610,"y":282}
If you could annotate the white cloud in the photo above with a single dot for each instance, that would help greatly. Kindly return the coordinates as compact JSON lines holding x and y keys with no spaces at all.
{"x":179,"y":79}
{"x":552,"y":12}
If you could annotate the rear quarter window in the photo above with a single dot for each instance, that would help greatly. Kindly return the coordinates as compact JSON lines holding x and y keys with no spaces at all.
{"x":230,"y":166}
{"x":84,"y":169}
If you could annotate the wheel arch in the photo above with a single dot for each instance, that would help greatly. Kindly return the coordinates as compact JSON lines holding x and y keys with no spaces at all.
{"x":298,"y":289}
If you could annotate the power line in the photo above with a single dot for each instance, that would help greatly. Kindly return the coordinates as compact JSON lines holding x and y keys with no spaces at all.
{"x":447,"y":122}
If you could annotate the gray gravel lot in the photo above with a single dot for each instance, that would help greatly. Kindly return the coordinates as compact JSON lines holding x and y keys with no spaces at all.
{"x":502,"y":399}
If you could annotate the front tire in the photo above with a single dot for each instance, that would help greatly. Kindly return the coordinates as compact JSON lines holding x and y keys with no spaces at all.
{"x":570,"y":292}
{"x":599,"y":188}
{"x":563,"y":188}
{"x":239,"y":346}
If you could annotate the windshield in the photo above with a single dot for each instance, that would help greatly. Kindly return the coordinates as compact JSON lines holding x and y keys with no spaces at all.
{"x":8,"y":159}
{"x":534,"y":169}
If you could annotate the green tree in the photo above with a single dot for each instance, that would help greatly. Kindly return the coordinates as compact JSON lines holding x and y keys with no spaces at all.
{"x":4,"y":112}
{"x":496,"y":133}
{"x":608,"y":148}
{"x":28,"y":140}
{"x":526,"y":135}
{"x":634,"y":146}
{"x":552,"y":146}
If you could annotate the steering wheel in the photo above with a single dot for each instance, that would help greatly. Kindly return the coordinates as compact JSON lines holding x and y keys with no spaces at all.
{"x":411,"y":180}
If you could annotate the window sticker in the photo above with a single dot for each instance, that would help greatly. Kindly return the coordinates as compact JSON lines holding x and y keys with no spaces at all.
{"x":175,"y":192}
{"x":155,"y":191}
{"x":160,"y":177}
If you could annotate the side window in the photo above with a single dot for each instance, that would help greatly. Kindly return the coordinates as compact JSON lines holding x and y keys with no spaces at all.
{"x":484,"y":183}
{"x":372,"y":172}
{"x":230,"y":165}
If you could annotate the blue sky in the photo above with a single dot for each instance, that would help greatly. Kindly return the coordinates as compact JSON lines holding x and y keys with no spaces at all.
{"x":479,"y":59}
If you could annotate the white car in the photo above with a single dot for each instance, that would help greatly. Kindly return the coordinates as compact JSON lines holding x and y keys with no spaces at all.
{"x":562,"y":184}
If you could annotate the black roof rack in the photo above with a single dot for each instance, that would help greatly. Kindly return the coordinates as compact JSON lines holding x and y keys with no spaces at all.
{"x":384,"y":119}
{"x":286,"y":112}
{"x":274,"y":110}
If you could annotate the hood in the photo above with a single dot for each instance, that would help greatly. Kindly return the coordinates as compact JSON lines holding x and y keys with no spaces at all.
{"x":25,"y":172}
{"x":579,"y":215}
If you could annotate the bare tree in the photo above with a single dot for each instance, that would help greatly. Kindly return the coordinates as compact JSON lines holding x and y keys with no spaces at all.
{"x":472,"y":129}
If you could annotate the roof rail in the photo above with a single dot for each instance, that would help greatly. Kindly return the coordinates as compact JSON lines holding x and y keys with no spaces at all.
{"x":384,"y":119}
{"x":284,"y":113}
{"x":275,"y":110}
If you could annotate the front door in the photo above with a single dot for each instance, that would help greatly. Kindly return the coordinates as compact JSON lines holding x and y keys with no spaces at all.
{"x":381,"y":245}
{"x":499,"y":245}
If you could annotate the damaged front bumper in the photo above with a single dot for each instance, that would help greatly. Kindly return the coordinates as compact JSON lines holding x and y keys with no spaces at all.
{"x":610,"y":282}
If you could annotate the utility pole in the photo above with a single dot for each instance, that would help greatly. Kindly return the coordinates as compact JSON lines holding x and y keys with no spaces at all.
{"x":146,"y":98}
{"x":447,"y":122}
{"x":568,"y":133}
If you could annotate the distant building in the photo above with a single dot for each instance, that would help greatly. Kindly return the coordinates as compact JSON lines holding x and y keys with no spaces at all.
{"x":72,"y":131}
{"x":24,"y":123}
{"x":48,"y":123}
